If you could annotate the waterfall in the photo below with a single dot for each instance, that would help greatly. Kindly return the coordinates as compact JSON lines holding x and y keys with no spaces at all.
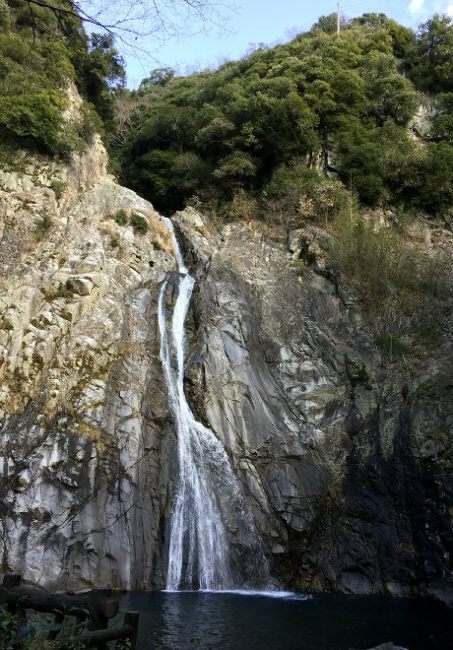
{"x":199,"y":553}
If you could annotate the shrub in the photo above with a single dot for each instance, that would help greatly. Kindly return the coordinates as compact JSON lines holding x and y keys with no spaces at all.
{"x":287,"y":186}
{"x":5,"y":14}
{"x":59,"y":187}
{"x":368,"y":254}
{"x":115,"y":241}
{"x":139,"y":223}
{"x":56,"y":62}
{"x":40,"y":51}
{"x":375,"y":161}
{"x":169,"y":176}
{"x":10,"y":160}
{"x":42,"y":226}
{"x":258,"y":124}
{"x":30,"y":66}
{"x":243,"y":206}
{"x":402,"y":287}
{"x":77,"y":133}
{"x":296,"y":189}
{"x":434,"y":176}
{"x":34,"y":119}
{"x":289,"y":180}
{"x":90,"y":123}
{"x":113,"y":164}
{"x":391,"y":346}
{"x":215,"y":132}
{"x":442,"y":128}
{"x":430,"y":61}
{"x":371,"y":189}
{"x":121,"y":217}
{"x":324,"y":200}
{"x":237,"y":166}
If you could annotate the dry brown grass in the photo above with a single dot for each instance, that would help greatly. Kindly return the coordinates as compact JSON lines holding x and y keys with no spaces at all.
{"x":243,"y":206}
{"x":405,"y":286}
{"x":158,"y":231}
{"x":268,"y":230}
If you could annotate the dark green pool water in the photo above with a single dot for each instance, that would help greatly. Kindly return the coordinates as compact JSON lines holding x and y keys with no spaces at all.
{"x":324,"y":622}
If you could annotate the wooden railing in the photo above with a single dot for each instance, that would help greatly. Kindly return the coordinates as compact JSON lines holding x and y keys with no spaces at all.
{"x":95,"y":607}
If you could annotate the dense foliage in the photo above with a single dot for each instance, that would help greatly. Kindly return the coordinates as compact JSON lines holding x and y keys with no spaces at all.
{"x":270,"y":126}
{"x":41,"y":51}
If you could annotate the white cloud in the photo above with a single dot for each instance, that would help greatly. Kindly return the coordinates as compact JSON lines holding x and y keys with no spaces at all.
{"x":419,"y":8}
{"x":415,"y":6}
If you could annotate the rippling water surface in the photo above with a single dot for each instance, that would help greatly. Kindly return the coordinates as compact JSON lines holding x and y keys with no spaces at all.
{"x":276,"y":621}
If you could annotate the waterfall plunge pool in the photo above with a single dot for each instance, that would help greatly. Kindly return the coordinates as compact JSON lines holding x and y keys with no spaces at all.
{"x":273,"y":621}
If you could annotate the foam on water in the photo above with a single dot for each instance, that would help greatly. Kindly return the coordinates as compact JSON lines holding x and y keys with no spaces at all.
{"x":283,"y":595}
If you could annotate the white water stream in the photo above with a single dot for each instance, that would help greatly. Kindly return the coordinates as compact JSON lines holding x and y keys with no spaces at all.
{"x":199,"y":554}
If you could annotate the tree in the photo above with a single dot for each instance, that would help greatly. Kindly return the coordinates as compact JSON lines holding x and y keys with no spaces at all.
{"x":129,"y":115}
{"x":321,"y":102}
{"x":5,"y":14}
{"x":435,"y":178}
{"x":442,"y":123}
{"x":130,"y":21}
{"x":157,"y":77}
{"x":402,"y":37}
{"x":430,"y":64}
{"x":373,"y":20}
{"x":329,"y":24}
{"x":100,"y":71}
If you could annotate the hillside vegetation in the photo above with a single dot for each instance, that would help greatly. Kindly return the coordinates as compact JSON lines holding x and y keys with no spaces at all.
{"x":41,"y":53}
{"x":267,"y":129}
{"x":322,"y":131}
{"x":349,"y":133}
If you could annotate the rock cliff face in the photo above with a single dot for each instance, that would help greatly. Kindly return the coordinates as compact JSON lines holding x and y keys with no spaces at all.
{"x":345,"y":462}
{"x":82,"y":407}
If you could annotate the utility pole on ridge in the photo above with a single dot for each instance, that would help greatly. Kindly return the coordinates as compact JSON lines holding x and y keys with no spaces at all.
{"x":338,"y":17}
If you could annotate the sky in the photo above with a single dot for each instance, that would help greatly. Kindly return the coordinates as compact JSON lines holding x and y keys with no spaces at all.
{"x":234,"y":32}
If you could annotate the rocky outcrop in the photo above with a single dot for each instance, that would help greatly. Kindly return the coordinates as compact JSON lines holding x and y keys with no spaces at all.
{"x":420,"y":125}
{"x":82,"y":408}
{"x":346,"y":459}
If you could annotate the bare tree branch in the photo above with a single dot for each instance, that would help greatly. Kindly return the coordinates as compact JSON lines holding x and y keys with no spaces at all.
{"x":142,"y":17}
{"x":141,"y":26}
{"x":76,"y":12}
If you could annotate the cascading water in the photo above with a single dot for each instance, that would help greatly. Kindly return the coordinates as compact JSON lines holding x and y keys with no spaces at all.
{"x":199,"y":553}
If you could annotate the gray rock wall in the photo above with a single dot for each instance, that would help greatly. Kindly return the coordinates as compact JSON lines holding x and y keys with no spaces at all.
{"x":346,"y":459}
{"x":83,"y":419}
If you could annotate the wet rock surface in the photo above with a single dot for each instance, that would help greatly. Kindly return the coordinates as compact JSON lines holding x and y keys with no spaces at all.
{"x":345,"y":458}
{"x":82,"y":407}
